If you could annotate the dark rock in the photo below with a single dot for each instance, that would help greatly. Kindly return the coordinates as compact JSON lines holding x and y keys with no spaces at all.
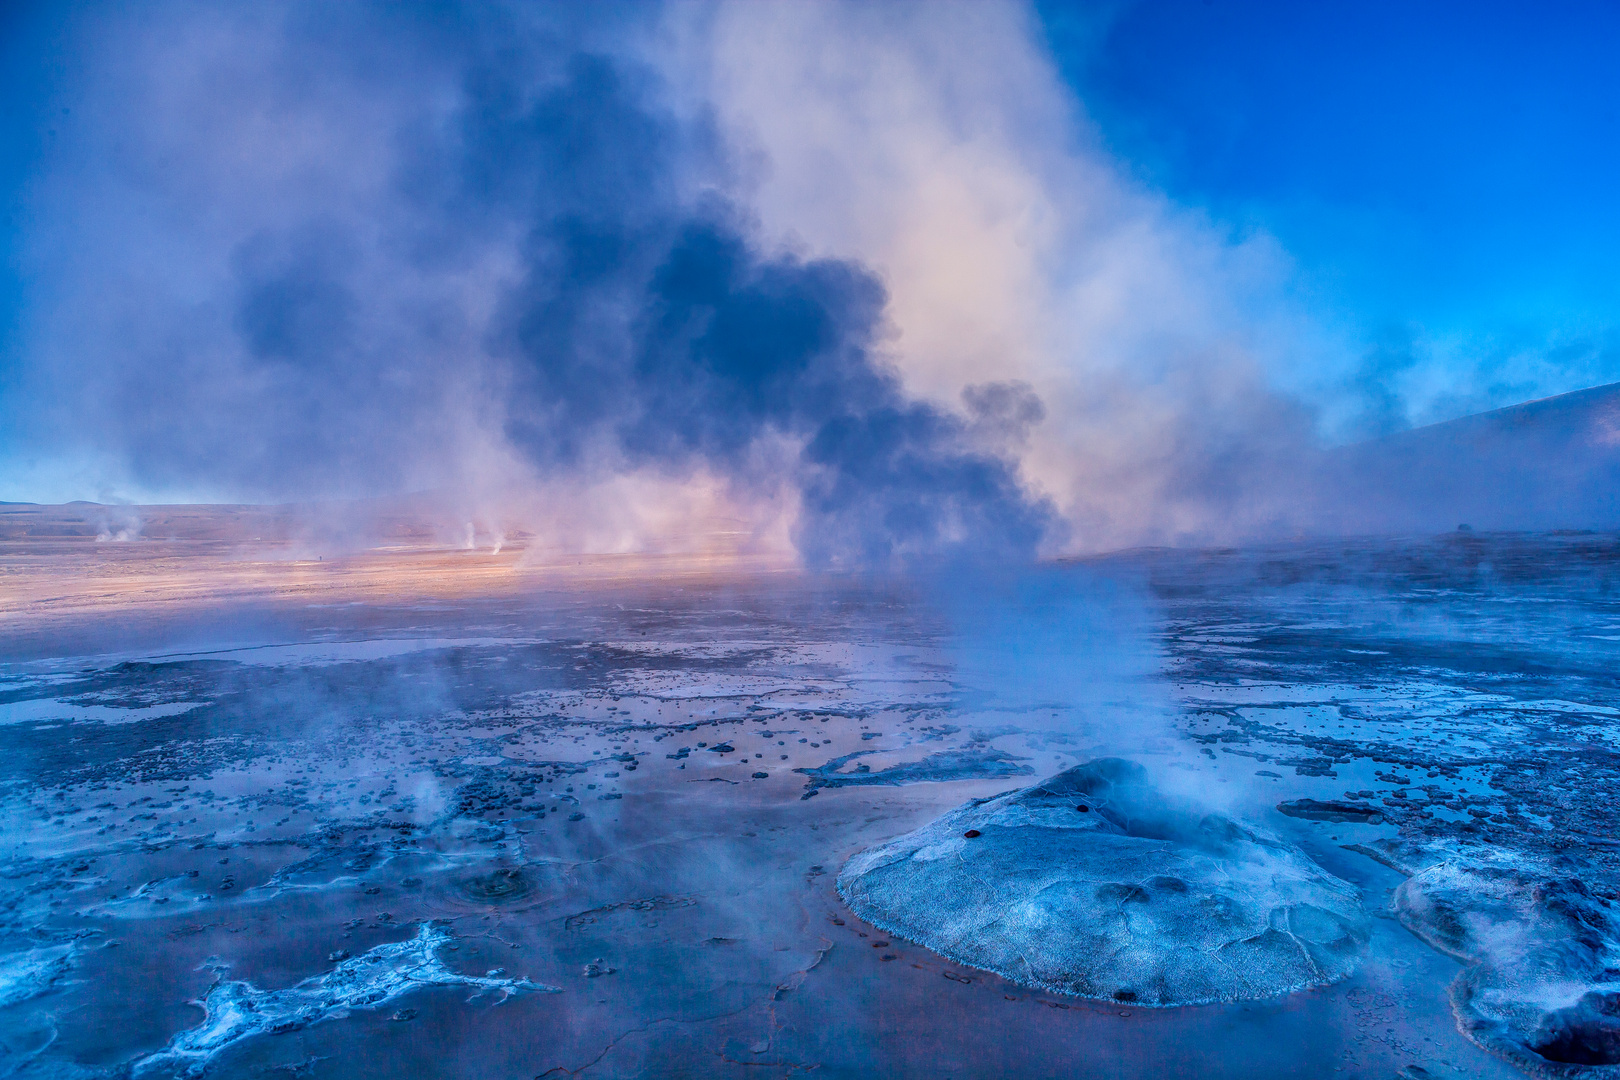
{"x":1331,"y":810}
{"x":975,"y":764}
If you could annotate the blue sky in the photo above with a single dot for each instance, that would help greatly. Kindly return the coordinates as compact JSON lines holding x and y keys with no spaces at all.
{"x":1435,"y":169}
{"x":26,"y":79}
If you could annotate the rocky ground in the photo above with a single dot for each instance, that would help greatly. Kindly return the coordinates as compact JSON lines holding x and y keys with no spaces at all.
{"x":1454,"y":703}
{"x":598,"y":834}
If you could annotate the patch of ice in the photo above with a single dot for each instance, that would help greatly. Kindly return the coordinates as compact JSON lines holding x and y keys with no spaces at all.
{"x":22,"y":712}
{"x":29,"y":974}
{"x":331,"y":652}
{"x":234,"y":1010}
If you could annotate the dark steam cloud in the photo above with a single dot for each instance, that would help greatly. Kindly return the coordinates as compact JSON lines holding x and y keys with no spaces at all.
{"x":535,"y":246}
{"x":656,"y":329}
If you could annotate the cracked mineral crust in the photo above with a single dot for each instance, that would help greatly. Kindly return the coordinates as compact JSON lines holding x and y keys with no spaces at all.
{"x":1097,"y":884}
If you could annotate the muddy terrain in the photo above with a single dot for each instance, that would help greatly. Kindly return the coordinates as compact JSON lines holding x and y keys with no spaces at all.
{"x":560,"y":830}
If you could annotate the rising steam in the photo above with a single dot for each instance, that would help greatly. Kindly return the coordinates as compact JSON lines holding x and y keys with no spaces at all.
{"x":858,"y":279}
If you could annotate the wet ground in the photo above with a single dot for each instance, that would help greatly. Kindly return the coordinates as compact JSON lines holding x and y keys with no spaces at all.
{"x":596,"y":833}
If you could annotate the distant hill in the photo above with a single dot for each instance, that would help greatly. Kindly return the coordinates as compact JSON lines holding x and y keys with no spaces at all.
{"x":1547,"y":464}
{"x":1541,"y":465}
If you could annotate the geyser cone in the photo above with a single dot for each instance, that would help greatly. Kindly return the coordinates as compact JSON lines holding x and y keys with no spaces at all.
{"x":1094,"y":883}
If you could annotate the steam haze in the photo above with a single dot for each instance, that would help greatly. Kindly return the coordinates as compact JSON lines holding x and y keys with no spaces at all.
{"x":861,"y":282}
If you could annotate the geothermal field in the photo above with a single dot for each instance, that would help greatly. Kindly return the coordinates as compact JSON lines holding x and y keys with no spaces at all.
{"x":820,"y":539}
{"x":1318,"y":809}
